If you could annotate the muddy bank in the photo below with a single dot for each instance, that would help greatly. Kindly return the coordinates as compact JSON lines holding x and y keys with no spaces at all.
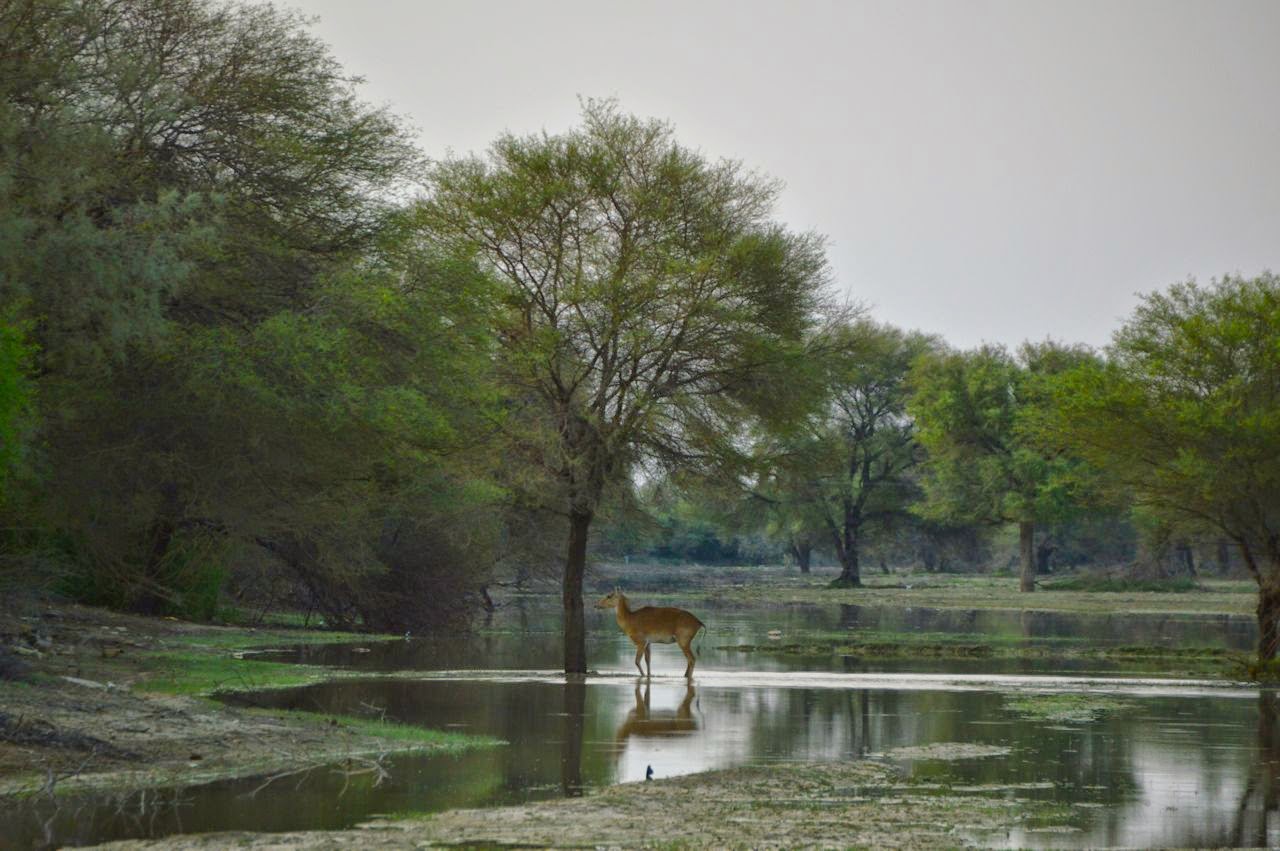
{"x":864,"y":804}
{"x":104,"y":700}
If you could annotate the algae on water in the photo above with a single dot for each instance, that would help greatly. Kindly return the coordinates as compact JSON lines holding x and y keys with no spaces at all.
{"x":1064,"y":708}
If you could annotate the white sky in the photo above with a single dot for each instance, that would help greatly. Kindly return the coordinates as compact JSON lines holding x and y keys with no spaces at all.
{"x":990,"y":171}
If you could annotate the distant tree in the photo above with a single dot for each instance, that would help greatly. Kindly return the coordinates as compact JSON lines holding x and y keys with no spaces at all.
{"x":1185,"y":415}
{"x":652,"y":306}
{"x":986,"y":463}
{"x":857,"y":450}
{"x":777,"y":496}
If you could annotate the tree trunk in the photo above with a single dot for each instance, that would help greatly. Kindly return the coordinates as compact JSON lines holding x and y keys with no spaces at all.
{"x":1269,"y":616}
{"x":1224,"y":557}
{"x":847,"y":548}
{"x":1044,"y":554}
{"x":152,"y":600}
{"x":575,"y":624}
{"x":803,"y":551}
{"x":850,"y":576}
{"x":1187,"y":556}
{"x":1026,"y":541}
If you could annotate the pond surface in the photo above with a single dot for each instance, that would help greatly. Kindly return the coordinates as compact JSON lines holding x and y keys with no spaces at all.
{"x":1156,"y":762}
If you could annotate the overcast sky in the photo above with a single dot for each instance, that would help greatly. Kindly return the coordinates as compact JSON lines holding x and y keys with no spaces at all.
{"x":987,"y":171}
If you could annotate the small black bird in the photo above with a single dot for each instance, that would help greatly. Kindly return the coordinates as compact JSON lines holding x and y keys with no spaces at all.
{"x":648,"y":772}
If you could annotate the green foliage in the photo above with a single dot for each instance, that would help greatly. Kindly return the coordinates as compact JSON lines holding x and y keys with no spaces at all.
{"x":980,"y":417}
{"x":1193,"y":379}
{"x":650,"y":303}
{"x":976,"y":413}
{"x":17,"y":404}
{"x":1185,"y":415}
{"x":235,"y":339}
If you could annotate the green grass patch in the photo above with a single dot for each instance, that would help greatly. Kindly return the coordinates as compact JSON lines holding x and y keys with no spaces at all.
{"x":445,"y":741}
{"x":1113,"y":584}
{"x":1267,"y":673}
{"x":978,"y":592}
{"x":195,"y":673}
{"x":247,"y":639}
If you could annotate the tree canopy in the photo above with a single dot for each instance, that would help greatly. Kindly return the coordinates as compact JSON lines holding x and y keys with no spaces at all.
{"x":1185,"y":415}
{"x":229,"y":350}
{"x":986,"y":462}
{"x":652,"y":307}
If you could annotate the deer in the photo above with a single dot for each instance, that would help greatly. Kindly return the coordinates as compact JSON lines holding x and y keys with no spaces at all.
{"x":651,"y":625}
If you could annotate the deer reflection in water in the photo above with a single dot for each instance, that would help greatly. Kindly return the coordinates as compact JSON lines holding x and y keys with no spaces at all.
{"x":644,"y":723}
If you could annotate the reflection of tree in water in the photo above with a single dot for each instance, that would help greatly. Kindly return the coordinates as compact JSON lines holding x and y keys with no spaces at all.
{"x":1260,"y":804}
{"x":575,"y":710}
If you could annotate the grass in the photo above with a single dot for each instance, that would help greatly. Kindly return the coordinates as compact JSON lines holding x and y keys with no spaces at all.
{"x":248,"y":638}
{"x":981,"y":592}
{"x":1119,"y":585}
{"x":195,"y":673}
{"x":443,"y":741}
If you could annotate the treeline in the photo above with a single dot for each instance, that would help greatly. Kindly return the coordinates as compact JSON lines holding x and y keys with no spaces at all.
{"x":256,"y":351}
{"x":233,"y":371}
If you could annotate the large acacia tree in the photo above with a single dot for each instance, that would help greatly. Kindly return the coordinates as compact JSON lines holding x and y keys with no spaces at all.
{"x":652,"y":305}
{"x":1185,"y":416}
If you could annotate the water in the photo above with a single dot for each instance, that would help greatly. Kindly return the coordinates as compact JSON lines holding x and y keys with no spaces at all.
{"x":1176,"y":762}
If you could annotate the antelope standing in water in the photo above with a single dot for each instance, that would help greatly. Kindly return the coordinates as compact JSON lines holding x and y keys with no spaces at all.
{"x":653,"y":625}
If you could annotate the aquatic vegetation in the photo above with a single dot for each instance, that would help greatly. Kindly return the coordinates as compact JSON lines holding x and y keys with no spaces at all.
{"x":946,"y":751}
{"x":1065,"y":708}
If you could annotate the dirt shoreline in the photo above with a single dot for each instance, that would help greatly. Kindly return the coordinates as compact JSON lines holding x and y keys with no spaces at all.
{"x":80,"y":721}
{"x":861,"y":804}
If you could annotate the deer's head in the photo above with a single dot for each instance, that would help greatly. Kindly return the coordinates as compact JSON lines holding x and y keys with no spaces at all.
{"x":610,"y":600}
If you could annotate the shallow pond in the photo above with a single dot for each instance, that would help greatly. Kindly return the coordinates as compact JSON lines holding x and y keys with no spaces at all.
{"x":1134,"y":760}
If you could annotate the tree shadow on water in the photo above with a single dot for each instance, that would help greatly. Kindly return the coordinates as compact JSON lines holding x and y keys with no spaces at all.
{"x":1259,"y":806}
{"x":575,"y":707}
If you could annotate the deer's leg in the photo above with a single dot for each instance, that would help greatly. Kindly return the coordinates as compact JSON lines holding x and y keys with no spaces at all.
{"x":640,"y":650}
{"x":688,"y":654}
{"x":648,"y":650}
